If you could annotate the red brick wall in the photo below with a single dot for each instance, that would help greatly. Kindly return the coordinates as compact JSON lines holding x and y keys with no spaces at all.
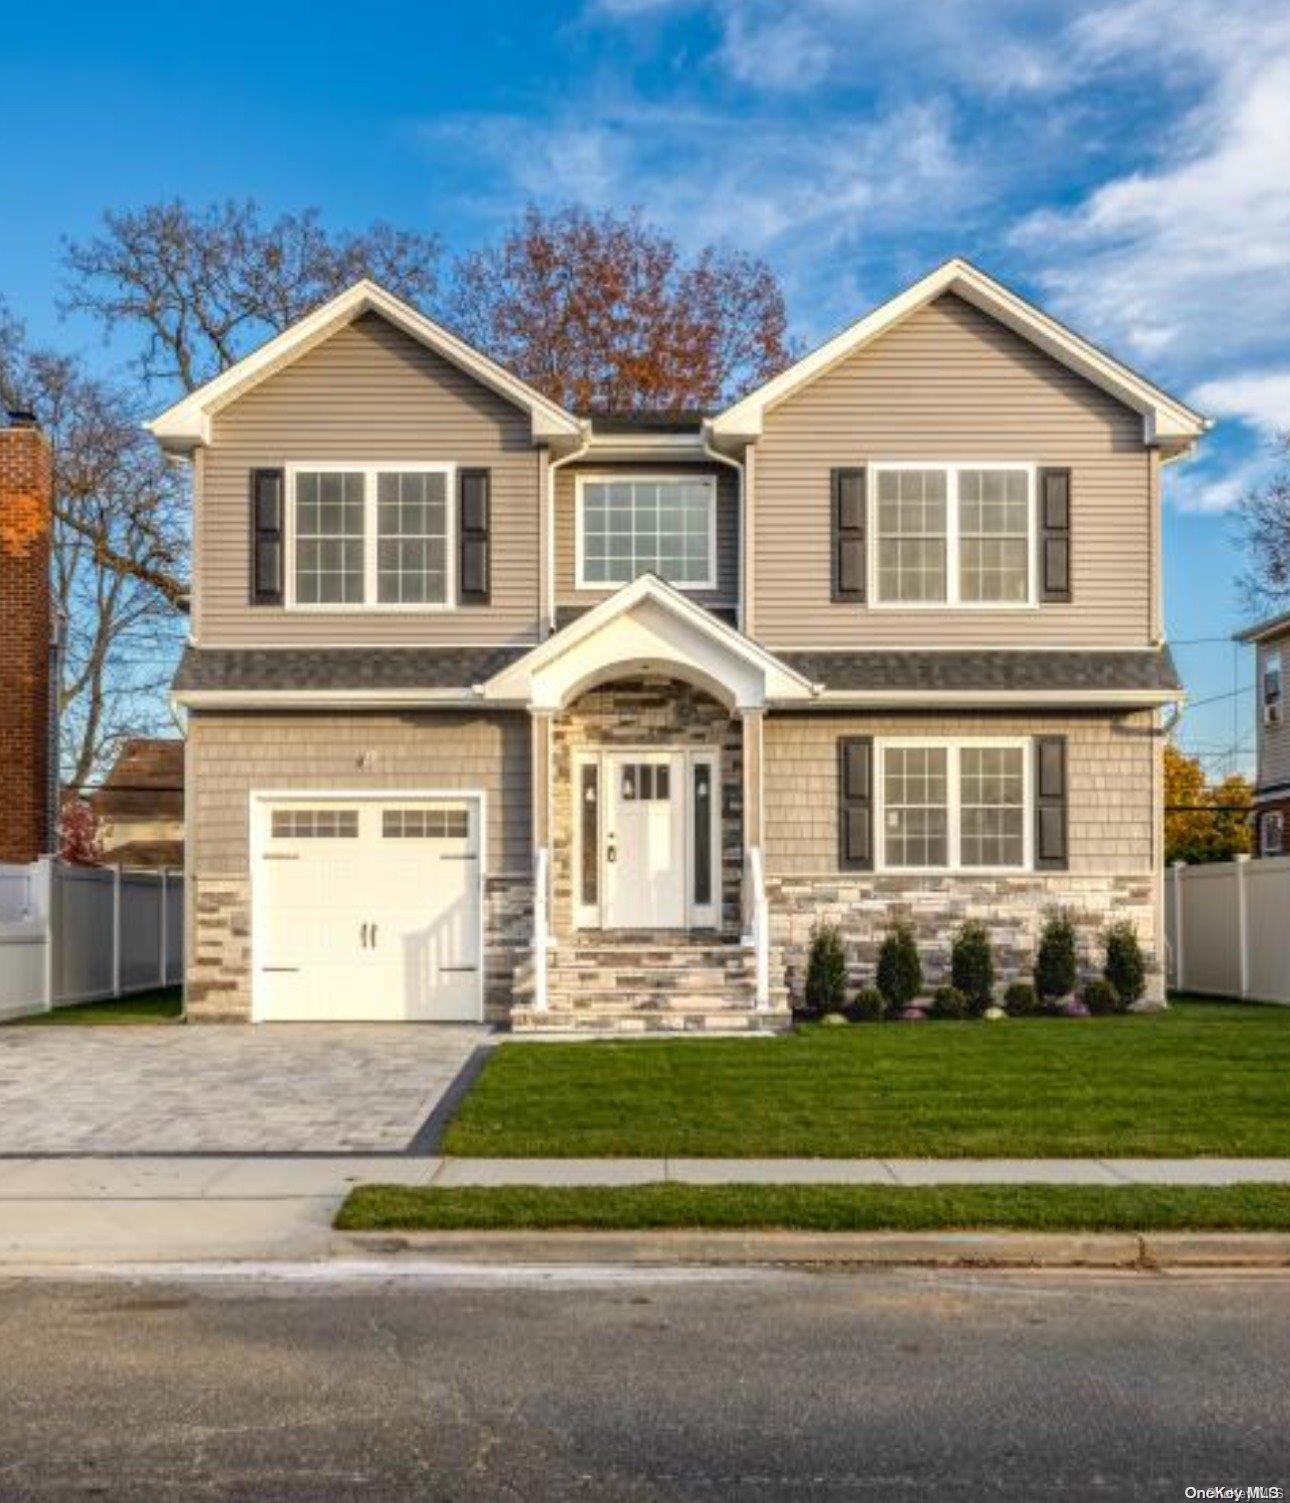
{"x":25,"y":515}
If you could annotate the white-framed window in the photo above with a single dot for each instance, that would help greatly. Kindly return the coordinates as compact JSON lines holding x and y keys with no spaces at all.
{"x":953,"y":534}
{"x":628,"y":525}
{"x":961,"y":805}
{"x":376,"y":536}
{"x":1271,"y":688}
{"x":1272,"y":832}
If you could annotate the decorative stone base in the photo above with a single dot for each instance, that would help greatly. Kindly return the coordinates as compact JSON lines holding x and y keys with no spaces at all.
{"x":1012,"y":908}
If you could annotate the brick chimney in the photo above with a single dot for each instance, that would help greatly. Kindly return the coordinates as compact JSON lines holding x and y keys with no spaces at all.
{"x":26,"y":640}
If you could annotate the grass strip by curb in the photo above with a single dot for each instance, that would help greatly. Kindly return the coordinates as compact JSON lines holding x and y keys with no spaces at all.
{"x":819,"y":1208}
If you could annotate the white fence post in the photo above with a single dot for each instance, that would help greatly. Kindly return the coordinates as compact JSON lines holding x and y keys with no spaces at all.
{"x":116,"y":931}
{"x":1179,"y":867}
{"x":161,"y":927}
{"x":1242,"y":927}
{"x":44,"y":898}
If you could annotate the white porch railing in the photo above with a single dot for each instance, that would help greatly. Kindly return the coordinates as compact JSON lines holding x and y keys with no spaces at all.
{"x":756,"y":921}
{"x":541,"y":927}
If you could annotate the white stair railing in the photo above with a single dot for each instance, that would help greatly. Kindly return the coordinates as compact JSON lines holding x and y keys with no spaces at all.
{"x":757,"y":922}
{"x":541,"y":928}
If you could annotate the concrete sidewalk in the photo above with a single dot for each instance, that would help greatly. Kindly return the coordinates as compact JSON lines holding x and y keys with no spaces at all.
{"x":68,"y":1211}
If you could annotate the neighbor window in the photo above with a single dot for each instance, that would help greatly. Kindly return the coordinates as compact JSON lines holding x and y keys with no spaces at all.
{"x":1271,"y":833}
{"x":953,"y":806}
{"x":954,"y":534}
{"x":664,"y":526}
{"x":371,"y":535}
{"x":1272,"y":688}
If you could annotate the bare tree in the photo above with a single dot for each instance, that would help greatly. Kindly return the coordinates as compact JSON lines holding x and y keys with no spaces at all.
{"x":205,"y":285}
{"x":601,"y":311}
{"x":1264,"y":520}
{"x":119,"y":554}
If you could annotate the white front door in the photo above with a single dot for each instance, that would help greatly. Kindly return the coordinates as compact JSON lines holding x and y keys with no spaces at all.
{"x":368,"y":910}
{"x":645,"y":841}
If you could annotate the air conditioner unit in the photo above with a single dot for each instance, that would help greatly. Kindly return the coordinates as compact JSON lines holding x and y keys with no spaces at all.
{"x":1272,"y":712}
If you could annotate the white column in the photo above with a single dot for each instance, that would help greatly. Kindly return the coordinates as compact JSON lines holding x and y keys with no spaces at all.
{"x":754,"y":742}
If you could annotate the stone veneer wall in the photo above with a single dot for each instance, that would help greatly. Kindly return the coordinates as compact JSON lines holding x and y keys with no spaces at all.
{"x":862,"y":905}
{"x":646,"y":711}
{"x":1115,"y":784}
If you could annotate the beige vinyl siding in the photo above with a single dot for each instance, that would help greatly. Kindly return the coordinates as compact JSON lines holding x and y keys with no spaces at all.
{"x":231,"y":755}
{"x":1110,"y":784}
{"x":1273,"y":740}
{"x":566,"y":571}
{"x":366,"y":394}
{"x":950,"y":383}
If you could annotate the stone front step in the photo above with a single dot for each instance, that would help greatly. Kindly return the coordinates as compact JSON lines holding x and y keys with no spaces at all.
{"x":626,"y":1022}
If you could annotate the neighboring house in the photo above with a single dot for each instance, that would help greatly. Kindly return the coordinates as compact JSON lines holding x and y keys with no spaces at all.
{"x":28,"y":645}
{"x":1271,"y":642}
{"x":140,"y":805}
{"x":495,"y":710}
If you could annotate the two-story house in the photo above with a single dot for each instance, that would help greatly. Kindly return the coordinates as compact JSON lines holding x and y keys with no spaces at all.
{"x":496,"y":710}
{"x":1271,"y":642}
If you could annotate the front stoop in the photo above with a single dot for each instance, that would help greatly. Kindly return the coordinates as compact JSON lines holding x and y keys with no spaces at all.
{"x":630,"y":984}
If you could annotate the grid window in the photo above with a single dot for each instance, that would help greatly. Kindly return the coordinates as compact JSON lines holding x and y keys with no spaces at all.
{"x":315,"y":824}
{"x":329,"y":537}
{"x":425,"y":824}
{"x":411,"y":537}
{"x":1272,"y":830}
{"x":992,"y":805}
{"x":916,"y":803}
{"x":633,"y":527}
{"x":994,"y":536}
{"x":912,"y":536}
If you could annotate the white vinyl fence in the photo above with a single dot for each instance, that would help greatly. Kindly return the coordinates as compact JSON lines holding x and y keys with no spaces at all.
{"x":79,"y":933}
{"x":1228,"y":928}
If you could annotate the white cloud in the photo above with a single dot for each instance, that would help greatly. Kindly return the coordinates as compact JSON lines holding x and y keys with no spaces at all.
{"x":1260,"y":398}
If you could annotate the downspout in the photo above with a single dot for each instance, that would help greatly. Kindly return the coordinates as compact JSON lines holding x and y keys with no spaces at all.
{"x":738,"y":468}
{"x":551,"y":468}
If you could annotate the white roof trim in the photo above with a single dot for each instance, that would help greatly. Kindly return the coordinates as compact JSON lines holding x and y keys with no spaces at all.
{"x":1165,"y":419}
{"x":187,"y":424}
{"x":521,"y":681}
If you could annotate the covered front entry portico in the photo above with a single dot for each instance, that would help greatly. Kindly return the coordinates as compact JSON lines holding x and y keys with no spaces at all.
{"x":647,"y":718}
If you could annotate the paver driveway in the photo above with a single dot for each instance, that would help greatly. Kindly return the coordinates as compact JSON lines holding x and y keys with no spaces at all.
{"x":309,"y":1088}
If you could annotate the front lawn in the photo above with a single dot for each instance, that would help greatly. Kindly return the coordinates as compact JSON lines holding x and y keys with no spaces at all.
{"x":163,"y":1006}
{"x":1204,"y":1078}
{"x":819,"y":1208}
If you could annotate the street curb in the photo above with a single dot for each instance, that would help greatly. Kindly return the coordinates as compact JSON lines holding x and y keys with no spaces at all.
{"x":1157,"y":1250}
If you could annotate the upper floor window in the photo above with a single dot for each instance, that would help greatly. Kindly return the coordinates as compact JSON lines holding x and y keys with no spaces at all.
{"x":370,"y":535}
{"x":664,"y":525}
{"x":954,"y":535}
{"x":1272,"y":688}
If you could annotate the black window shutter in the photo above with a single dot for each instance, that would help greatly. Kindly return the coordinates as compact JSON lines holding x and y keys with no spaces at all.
{"x":1055,"y":536}
{"x":855,"y":803}
{"x":1050,"y":804}
{"x":473,"y":524}
{"x":267,"y":523}
{"x":848,"y":535}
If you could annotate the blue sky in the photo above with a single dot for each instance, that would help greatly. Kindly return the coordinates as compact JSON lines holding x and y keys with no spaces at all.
{"x":1124,"y":163}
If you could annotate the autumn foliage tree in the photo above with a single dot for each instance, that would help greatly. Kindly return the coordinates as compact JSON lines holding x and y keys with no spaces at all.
{"x":79,"y":838}
{"x":602,"y":312}
{"x":1204,"y":821}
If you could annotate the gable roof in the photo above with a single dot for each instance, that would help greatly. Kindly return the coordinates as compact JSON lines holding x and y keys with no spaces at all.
{"x":184,"y":426}
{"x":147,"y":779}
{"x":1166,"y":420}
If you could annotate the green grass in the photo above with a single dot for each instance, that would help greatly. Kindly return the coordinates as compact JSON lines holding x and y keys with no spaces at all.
{"x":819,"y":1208}
{"x":1202,"y":1078}
{"x":164,"y":1006}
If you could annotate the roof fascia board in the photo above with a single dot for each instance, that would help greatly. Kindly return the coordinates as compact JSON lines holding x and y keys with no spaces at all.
{"x":1164,"y":417}
{"x":187,"y":423}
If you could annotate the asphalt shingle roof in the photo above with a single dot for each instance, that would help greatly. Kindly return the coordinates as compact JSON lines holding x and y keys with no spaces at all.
{"x":341,"y":668}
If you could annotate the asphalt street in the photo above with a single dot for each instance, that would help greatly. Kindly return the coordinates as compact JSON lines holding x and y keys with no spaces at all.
{"x":724,"y":1385}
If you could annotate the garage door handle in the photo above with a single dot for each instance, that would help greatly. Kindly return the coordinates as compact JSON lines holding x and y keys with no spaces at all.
{"x":374,"y":936}
{"x":362,"y":936}
{"x":456,"y":856}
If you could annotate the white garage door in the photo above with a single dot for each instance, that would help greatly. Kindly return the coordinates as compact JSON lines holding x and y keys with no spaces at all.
{"x":367,"y":910}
